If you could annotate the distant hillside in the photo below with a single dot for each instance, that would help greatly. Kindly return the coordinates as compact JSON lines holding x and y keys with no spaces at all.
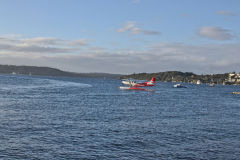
{"x":47,"y":71}
{"x":176,"y":76}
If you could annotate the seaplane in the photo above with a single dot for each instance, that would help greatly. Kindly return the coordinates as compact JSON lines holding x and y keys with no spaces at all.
{"x":139,"y":83}
{"x":135,"y":84}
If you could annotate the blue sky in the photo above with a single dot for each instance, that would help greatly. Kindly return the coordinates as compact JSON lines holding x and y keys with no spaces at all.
{"x":123,"y":36}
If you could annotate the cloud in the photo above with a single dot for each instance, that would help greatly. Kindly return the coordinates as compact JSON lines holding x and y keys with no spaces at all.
{"x":33,"y":49}
{"x":225,"y":13}
{"x":127,"y":27}
{"x":149,"y":32}
{"x":45,"y":44}
{"x":135,"y":1}
{"x":4,"y":40}
{"x":131,"y":27}
{"x":13,"y":35}
{"x":41,"y":41}
{"x":42,"y":45}
{"x":215,"y":33}
{"x":212,"y":58}
{"x":79,"y":42}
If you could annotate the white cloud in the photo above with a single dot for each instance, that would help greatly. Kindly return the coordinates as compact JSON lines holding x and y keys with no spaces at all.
{"x":215,"y":33}
{"x":13,"y":35}
{"x":32,"y":49}
{"x":41,"y":41}
{"x":41,"y":45}
{"x":79,"y":42}
{"x":225,"y":13}
{"x":131,"y":27}
{"x":127,"y":26}
{"x":212,"y":58}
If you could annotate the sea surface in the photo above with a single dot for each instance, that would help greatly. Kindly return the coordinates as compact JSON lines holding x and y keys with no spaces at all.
{"x":91,"y":119}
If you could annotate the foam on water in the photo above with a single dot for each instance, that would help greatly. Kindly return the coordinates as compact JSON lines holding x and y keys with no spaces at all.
{"x":38,"y":83}
{"x":58,"y":83}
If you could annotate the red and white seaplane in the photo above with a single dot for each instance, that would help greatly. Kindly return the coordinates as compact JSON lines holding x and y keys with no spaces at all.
{"x":135,"y":84}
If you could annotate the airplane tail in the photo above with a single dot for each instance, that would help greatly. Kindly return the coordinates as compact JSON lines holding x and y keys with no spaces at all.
{"x":153,"y":80}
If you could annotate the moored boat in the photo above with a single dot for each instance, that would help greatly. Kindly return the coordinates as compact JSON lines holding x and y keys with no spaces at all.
{"x":198,"y":82}
{"x":179,"y":86}
{"x":211,"y":84}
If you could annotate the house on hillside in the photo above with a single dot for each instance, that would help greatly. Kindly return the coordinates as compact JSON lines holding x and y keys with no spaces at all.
{"x":234,"y":78}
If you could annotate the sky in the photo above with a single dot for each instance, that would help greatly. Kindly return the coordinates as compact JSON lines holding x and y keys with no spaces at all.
{"x":122,"y":36}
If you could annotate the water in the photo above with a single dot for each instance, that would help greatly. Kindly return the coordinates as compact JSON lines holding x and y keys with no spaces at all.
{"x":87,"y":118}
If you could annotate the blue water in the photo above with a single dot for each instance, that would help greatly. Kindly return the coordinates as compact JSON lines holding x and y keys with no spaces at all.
{"x":87,"y":118}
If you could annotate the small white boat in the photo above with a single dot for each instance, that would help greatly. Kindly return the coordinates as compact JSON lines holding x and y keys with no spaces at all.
{"x":198,"y":82}
{"x":211,"y":84}
{"x":179,"y":86}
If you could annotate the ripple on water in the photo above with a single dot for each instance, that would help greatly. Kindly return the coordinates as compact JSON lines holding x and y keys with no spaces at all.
{"x":81,"y":118}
